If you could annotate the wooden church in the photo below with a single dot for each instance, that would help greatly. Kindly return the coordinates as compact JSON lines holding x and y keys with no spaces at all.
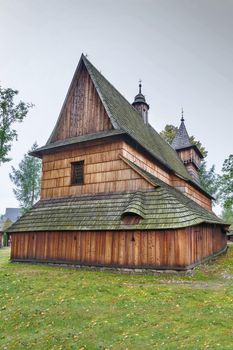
{"x":113,"y":192}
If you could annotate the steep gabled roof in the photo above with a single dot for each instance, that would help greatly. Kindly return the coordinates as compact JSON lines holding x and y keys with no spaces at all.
{"x":161,"y":208}
{"x":126,"y":119}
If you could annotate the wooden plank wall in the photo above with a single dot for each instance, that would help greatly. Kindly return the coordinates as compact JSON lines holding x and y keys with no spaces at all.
{"x":104,"y":172}
{"x":197,"y":196}
{"x":141,"y":160}
{"x":83,"y":112}
{"x":188,"y":154}
{"x":190,"y":157}
{"x":171,"y":248}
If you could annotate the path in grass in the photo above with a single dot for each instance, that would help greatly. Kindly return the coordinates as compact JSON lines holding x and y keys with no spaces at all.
{"x":45,"y":307}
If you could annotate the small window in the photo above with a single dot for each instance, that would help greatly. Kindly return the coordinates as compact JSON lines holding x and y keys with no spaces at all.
{"x":77,"y":173}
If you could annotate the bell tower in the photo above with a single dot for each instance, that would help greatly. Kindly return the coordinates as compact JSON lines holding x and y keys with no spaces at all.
{"x":189,"y":153}
{"x":141,"y":105}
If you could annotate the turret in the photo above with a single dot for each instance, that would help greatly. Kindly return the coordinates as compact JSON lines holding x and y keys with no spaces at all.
{"x":141,"y":105}
{"x":189,"y":153}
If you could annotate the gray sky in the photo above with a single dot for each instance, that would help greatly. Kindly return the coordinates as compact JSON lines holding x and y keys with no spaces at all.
{"x":181,"y":49}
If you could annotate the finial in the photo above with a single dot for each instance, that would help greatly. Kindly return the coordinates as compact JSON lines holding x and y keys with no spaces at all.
{"x":182,"y":114}
{"x":140,"y":86}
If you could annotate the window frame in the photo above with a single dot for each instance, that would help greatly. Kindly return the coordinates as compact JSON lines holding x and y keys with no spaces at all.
{"x":72,"y":177}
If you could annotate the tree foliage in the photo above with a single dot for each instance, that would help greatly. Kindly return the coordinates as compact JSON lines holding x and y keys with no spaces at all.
{"x":199,"y":145}
{"x":27,"y":180}
{"x":7,"y":223}
{"x":209,"y":179}
{"x":10,"y":113}
{"x":227,"y":215}
{"x":169,"y":133}
{"x":226,"y":183}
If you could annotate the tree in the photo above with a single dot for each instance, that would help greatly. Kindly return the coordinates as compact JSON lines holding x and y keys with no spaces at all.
{"x":27,"y":180}
{"x":226,"y":183}
{"x":169,"y":133}
{"x":199,"y":145}
{"x":209,"y":179}
{"x":10,"y":113}
{"x":227,"y":215}
{"x":6,"y":225}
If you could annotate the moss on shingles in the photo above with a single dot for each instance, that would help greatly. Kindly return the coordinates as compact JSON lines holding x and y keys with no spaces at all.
{"x":124,"y":117}
{"x":161,"y":208}
{"x":125,"y":120}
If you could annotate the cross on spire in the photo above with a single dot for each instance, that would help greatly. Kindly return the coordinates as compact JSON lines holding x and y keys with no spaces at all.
{"x":140,"y":86}
{"x":182,"y":114}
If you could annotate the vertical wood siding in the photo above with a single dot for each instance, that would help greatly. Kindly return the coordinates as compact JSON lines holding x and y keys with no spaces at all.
{"x":83,"y":112}
{"x":171,"y":248}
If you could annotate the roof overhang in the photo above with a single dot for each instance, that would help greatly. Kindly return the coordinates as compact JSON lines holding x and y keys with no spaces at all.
{"x":67,"y":143}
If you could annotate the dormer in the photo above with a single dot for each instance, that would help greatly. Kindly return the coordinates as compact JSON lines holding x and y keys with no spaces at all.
{"x":189,"y":153}
{"x":134,"y":212}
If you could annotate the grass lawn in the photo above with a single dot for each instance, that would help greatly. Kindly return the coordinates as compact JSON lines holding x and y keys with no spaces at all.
{"x":44,"y":307}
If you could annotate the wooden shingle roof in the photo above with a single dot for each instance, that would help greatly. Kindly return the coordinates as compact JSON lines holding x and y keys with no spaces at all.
{"x":75,"y":140}
{"x":181,"y":140}
{"x":125,"y":119}
{"x":163,"y":207}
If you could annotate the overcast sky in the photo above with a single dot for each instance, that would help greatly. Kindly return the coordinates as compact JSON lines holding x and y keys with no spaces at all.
{"x":181,"y":49}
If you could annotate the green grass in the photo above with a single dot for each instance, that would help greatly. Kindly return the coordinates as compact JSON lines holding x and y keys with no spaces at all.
{"x":44,"y":307}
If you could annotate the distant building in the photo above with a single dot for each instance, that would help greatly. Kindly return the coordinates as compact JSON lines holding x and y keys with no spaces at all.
{"x":11,"y":215}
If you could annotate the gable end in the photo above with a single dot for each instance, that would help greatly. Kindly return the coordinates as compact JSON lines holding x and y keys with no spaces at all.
{"x":83,"y":112}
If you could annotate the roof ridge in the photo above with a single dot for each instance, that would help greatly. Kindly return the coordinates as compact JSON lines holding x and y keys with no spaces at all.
{"x":88,"y":62}
{"x":129,"y":119}
{"x":126,"y":118}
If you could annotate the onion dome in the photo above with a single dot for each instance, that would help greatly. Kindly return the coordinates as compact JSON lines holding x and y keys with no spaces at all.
{"x":141,"y":105}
